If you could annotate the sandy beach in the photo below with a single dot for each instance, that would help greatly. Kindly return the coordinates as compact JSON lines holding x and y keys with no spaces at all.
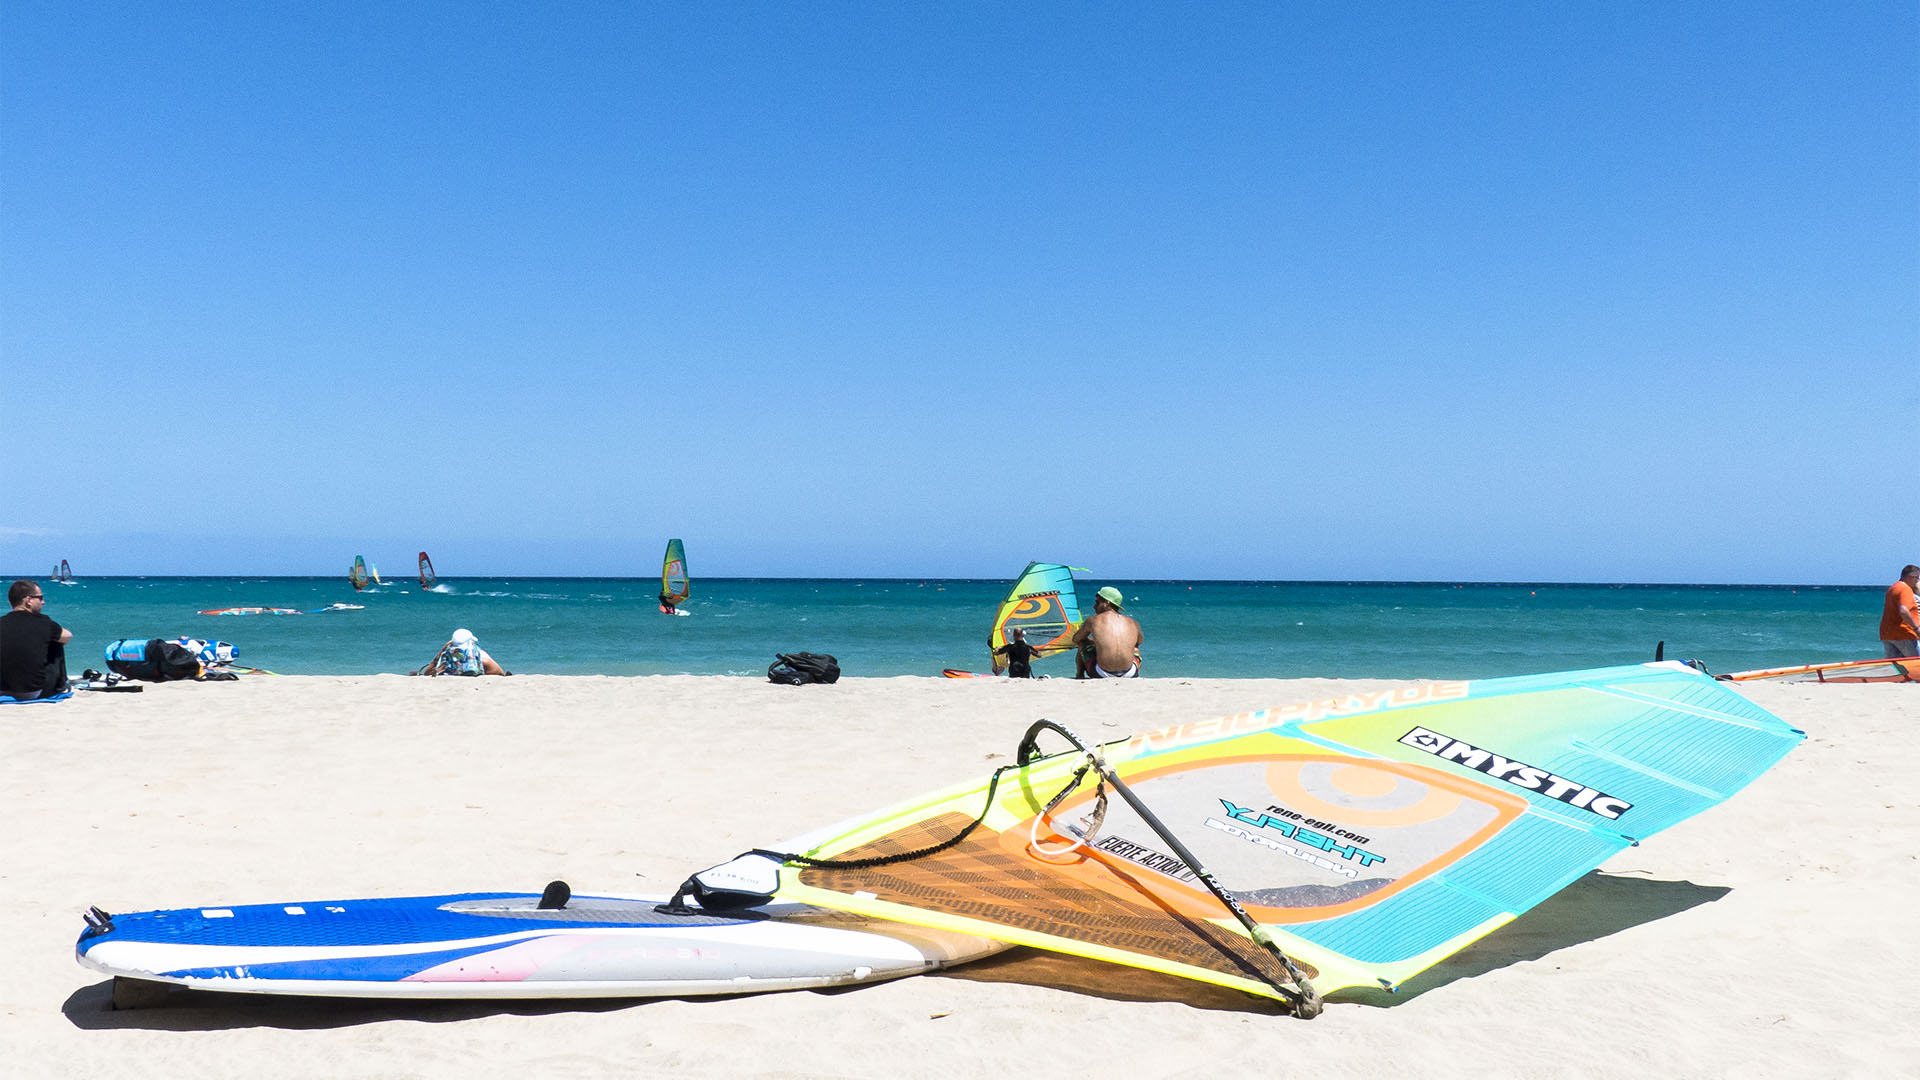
{"x":1767,"y":937}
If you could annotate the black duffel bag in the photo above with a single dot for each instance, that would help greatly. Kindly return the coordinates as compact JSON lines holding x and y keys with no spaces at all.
{"x":801,"y":668}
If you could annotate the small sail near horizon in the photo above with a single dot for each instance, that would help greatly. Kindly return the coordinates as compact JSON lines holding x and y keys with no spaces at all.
{"x":675,"y":585}
{"x":357,"y":576}
{"x":63,"y":574}
{"x":427,"y":576}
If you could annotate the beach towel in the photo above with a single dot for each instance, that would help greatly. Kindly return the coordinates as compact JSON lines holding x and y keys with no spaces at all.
{"x":8,"y":699}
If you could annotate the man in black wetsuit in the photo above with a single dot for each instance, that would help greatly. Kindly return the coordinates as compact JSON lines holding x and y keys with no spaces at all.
{"x":33,"y":654}
{"x":1019,"y":656}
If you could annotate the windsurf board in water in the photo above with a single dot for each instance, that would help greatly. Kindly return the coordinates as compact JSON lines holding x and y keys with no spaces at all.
{"x":507,"y":946}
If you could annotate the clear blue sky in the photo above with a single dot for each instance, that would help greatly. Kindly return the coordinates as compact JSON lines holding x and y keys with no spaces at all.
{"x":1585,"y":292}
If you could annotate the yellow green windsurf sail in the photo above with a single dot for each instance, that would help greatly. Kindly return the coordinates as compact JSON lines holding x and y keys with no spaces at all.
{"x":675,"y":586}
{"x":1369,"y":836}
{"x":1041,"y":602}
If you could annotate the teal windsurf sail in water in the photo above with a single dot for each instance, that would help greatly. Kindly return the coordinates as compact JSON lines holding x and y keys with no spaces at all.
{"x":1042,"y":603}
{"x":427,"y":576}
{"x":357,"y":575}
{"x":675,"y":586}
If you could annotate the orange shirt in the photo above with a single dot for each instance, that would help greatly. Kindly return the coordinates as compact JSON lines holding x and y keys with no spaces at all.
{"x":1891,"y":628}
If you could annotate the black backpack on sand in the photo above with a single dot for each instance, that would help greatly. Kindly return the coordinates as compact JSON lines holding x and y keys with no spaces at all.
{"x":798,"y":669}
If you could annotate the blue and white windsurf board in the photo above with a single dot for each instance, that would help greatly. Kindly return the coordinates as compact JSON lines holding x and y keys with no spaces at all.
{"x":506,"y":946}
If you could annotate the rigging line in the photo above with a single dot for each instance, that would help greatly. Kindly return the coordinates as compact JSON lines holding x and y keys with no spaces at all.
{"x":903,"y":856}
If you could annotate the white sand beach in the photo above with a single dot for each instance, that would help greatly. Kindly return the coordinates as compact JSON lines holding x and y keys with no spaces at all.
{"x":1772,"y":936}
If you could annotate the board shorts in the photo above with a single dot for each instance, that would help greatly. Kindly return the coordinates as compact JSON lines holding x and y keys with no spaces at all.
{"x":1900,"y":648}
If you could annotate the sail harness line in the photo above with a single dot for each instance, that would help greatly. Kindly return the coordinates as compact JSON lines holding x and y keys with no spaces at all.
{"x":739,"y":883}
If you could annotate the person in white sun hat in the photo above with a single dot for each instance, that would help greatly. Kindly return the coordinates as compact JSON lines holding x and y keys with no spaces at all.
{"x":461,"y":655}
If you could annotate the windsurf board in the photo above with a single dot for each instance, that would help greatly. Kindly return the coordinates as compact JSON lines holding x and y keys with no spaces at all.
{"x":507,"y":945}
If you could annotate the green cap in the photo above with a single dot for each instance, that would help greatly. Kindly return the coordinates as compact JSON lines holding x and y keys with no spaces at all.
{"x":1111,"y":595}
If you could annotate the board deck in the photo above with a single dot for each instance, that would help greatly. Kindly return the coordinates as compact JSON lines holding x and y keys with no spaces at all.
{"x":504,"y":945}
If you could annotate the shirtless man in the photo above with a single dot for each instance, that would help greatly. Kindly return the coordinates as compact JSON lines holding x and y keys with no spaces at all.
{"x":1109,"y":640}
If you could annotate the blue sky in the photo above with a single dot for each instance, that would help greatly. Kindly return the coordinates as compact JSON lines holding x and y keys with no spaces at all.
{"x":1590,"y":292}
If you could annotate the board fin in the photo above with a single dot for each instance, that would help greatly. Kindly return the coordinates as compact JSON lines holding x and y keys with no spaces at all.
{"x":555,"y":896}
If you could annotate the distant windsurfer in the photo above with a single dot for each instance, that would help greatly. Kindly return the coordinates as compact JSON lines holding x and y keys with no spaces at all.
{"x":461,"y":655}
{"x":1108,"y":641}
{"x":1019,"y":656}
{"x":1900,"y":619}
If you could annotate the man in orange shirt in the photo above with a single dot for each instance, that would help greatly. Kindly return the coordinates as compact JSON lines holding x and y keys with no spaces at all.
{"x":1900,"y":621}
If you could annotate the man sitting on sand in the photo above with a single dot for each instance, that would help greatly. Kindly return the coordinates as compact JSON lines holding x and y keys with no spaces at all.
{"x":461,"y":655}
{"x":33,"y":653}
{"x":1900,"y":619}
{"x":1109,"y":640}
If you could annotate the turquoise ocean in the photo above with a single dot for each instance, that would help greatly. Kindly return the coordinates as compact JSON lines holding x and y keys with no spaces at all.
{"x":1194,"y":629}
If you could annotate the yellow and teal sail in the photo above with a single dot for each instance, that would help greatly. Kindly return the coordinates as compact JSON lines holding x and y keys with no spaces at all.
{"x":358,"y":575}
{"x":675,"y":586}
{"x":1041,"y":602}
{"x":1366,"y":836}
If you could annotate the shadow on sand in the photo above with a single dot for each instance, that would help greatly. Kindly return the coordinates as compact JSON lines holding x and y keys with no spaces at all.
{"x":91,"y":1008}
{"x":1591,"y":908}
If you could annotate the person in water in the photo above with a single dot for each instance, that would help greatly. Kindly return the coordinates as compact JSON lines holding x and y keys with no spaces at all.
{"x":1019,"y":656}
{"x":1900,"y":618}
{"x":461,"y":655}
{"x":33,"y":648}
{"x":667,"y":606}
{"x":1108,"y":641}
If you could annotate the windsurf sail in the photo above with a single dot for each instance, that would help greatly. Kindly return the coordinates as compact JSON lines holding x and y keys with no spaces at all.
{"x":1896,"y":669}
{"x":358,"y":575}
{"x":63,"y":573}
{"x":427,"y":577}
{"x":1362,"y":838}
{"x":675,"y":586}
{"x":1043,"y":603}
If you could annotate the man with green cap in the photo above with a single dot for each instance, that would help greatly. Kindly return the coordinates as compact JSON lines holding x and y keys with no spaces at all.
{"x":1108,"y":640}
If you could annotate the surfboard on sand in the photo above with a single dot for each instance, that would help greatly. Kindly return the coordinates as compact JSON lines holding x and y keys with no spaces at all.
{"x":505,"y":945}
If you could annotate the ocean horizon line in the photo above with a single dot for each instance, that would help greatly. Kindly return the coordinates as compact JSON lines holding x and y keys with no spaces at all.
{"x":924,"y":578}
